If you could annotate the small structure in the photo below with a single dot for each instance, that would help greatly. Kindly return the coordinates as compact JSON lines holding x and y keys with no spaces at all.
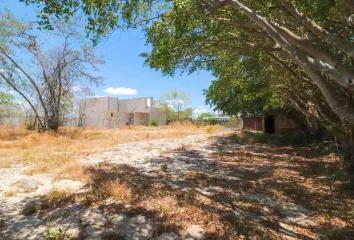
{"x":269,"y":124}
{"x":113,"y":112}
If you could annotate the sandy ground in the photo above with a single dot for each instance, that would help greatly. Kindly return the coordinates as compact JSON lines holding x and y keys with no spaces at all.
{"x":179,"y":155}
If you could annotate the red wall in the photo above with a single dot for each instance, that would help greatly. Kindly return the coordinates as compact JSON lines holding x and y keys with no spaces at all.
{"x":253,"y":123}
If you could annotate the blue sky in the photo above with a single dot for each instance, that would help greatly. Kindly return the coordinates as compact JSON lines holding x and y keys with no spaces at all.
{"x":124,"y":67}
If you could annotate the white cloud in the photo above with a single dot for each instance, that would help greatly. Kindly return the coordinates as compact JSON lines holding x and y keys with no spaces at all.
{"x":201,"y":109}
{"x":121,"y":91}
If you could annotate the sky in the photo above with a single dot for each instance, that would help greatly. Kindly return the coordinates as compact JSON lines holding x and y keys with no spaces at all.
{"x":124,"y":73}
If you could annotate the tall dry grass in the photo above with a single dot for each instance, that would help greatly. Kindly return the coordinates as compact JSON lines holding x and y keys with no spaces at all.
{"x":56,"y":152}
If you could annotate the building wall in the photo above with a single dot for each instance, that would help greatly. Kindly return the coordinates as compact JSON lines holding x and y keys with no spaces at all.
{"x":283,"y":124}
{"x":252,"y":123}
{"x":160,"y":116}
{"x":141,"y":119}
{"x":147,"y":118}
{"x":93,"y":111}
{"x":111,"y":112}
{"x":135,"y":105}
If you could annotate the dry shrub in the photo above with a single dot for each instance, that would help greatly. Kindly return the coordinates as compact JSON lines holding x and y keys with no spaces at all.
{"x":45,"y":162}
{"x":117,"y":190}
{"x":74,"y":170}
{"x":55,"y":198}
{"x":8,"y":133}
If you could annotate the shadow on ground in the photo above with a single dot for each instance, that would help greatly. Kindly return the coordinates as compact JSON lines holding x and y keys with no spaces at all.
{"x":232,"y":191}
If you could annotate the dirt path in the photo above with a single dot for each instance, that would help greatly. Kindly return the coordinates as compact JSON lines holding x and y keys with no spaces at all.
{"x":201,"y":186}
{"x":18,"y":190}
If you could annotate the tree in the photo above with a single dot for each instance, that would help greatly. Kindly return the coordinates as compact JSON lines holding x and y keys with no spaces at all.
{"x":175,"y":105}
{"x":204,"y":116}
{"x":247,"y":87}
{"x":188,"y":32}
{"x":308,"y":44}
{"x":44,"y":77}
{"x":7,"y":105}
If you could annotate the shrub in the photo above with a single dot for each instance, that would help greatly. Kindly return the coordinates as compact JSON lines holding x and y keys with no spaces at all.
{"x":30,"y":208}
{"x":164,"y":168}
{"x":57,"y":234}
{"x":2,"y":223}
{"x":233,"y":122}
{"x":56,"y":198}
{"x":154,"y":122}
{"x":30,"y":126}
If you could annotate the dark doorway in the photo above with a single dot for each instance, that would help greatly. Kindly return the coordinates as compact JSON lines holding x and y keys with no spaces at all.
{"x":269,"y":125}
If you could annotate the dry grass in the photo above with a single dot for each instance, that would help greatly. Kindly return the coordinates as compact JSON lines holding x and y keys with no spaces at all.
{"x":55,"y":152}
{"x":304,"y":180}
{"x":265,"y":169}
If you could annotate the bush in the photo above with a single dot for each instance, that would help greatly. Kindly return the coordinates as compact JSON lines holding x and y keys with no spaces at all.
{"x":233,"y":122}
{"x":154,"y":122}
{"x":30,"y":126}
{"x":299,"y":137}
{"x":57,"y":234}
{"x":30,"y":208}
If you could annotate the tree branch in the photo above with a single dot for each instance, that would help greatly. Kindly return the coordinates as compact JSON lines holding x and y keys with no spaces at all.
{"x":316,"y":29}
{"x":24,"y":96}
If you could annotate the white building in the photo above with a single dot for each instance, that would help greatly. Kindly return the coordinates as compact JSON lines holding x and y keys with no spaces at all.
{"x":113,"y":112}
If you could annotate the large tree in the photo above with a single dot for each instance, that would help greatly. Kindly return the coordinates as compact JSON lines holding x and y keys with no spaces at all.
{"x":307,"y":45}
{"x":42,"y":72}
{"x":313,"y":38}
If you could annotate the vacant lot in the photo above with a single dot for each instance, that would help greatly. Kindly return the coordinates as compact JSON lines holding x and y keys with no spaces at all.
{"x":152,"y":185}
{"x":48,"y":151}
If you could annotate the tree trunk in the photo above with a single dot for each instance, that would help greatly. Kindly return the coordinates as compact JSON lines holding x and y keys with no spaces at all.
{"x":349,"y":162}
{"x":53,"y":125}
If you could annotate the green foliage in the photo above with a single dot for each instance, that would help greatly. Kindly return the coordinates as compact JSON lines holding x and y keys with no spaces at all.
{"x":298,"y":137}
{"x":8,"y":107}
{"x":205,"y":116}
{"x":265,"y":57}
{"x":30,"y":126}
{"x":175,"y":105}
{"x":6,"y":98}
{"x":233,"y":122}
{"x":154,"y":122}
{"x":102,"y":16}
{"x":57,"y":234}
{"x":234,"y":91}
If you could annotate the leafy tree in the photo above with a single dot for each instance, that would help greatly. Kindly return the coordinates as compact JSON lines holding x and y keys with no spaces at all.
{"x":175,"y":105}
{"x":205,"y":115}
{"x":7,"y":104}
{"x":44,"y":78}
{"x":306,"y":45}
{"x":247,"y":87}
{"x":191,"y":34}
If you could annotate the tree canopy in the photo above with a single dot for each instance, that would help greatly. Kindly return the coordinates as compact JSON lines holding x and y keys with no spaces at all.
{"x":287,"y":54}
{"x":310,"y":42}
{"x":42,"y":76}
